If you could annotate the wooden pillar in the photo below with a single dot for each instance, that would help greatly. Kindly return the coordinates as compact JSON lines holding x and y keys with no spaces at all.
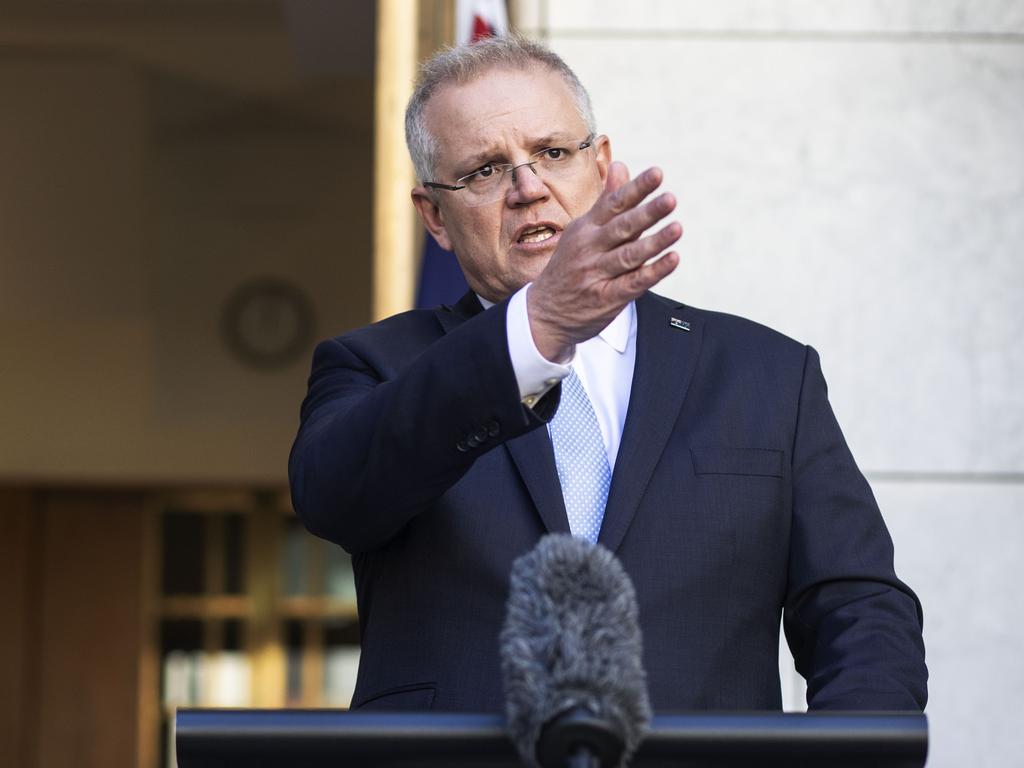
{"x":88,"y":647}
{"x":394,"y":225}
{"x":18,"y":640}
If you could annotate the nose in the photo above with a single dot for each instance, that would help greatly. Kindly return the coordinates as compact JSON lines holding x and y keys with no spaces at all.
{"x":527,"y":186}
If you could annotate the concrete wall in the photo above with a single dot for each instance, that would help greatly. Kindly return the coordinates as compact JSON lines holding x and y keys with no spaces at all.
{"x":852,"y":174}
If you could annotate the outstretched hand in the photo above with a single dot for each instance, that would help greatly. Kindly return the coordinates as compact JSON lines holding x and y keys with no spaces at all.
{"x":601,"y":262}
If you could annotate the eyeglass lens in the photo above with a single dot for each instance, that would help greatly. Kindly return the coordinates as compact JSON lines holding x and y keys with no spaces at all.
{"x":551,"y":165}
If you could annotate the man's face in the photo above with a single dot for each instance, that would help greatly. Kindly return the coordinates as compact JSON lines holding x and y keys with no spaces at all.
{"x":505,"y":116}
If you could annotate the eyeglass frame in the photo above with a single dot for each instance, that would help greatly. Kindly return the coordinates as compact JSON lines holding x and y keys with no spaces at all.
{"x":509,"y":168}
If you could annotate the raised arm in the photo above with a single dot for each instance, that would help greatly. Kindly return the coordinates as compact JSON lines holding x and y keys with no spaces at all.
{"x":395,"y":414}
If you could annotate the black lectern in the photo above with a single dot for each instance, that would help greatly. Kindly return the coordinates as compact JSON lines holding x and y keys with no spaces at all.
{"x":220,"y":738}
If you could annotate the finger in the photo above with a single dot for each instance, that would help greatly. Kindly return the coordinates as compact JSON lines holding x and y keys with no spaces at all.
{"x":630,"y":256}
{"x":626,"y":196}
{"x":628,"y":226}
{"x":646,"y":277}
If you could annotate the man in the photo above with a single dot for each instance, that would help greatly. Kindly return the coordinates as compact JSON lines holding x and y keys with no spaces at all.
{"x":437,"y":446}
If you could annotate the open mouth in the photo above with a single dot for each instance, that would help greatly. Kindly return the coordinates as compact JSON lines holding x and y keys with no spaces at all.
{"x":536,"y":234}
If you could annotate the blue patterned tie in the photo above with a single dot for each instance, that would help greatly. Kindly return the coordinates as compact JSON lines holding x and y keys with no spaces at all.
{"x":581,"y":460}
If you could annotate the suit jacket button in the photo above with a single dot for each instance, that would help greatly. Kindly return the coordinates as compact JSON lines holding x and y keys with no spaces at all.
{"x":472,"y":441}
{"x":462,"y":446}
{"x":480,"y":436}
{"x":493,"y":428}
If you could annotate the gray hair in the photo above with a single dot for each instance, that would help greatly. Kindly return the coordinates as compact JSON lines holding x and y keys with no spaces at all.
{"x":467,"y":62}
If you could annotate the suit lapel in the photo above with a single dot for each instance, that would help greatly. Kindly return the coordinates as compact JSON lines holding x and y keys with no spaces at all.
{"x":531,"y":452}
{"x":668,"y":342}
{"x":535,"y":459}
{"x":451,"y":317}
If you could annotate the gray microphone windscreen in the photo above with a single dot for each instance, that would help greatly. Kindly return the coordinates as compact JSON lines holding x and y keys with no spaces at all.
{"x":571,"y":639}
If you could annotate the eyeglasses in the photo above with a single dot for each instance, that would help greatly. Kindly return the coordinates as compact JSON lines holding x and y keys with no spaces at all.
{"x":492,"y":181}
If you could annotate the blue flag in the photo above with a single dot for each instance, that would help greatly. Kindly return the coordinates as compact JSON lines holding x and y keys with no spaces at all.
{"x":441,"y":280}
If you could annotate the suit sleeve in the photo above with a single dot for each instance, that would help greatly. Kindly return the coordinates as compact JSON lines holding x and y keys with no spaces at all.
{"x":854,"y":628}
{"x":379,"y":443}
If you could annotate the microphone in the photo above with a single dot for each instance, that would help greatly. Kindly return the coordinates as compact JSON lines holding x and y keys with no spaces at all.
{"x":575,"y":687}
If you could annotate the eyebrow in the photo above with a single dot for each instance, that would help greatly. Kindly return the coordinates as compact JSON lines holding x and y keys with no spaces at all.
{"x":482,"y":157}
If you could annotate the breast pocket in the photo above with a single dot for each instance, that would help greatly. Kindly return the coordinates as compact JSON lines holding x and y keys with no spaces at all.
{"x":742,"y":495}
{"x":721,"y":460}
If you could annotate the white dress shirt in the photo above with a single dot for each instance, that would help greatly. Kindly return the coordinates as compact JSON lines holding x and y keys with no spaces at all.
{"x":604,"y":365}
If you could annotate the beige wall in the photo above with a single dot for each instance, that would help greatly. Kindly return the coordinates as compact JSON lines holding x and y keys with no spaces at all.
{"x":134,"y":199}
{"x":73,"y":321}
{"x":852,"y":173}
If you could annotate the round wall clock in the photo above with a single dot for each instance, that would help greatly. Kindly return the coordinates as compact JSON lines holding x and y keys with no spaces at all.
{"x":268,"y":322}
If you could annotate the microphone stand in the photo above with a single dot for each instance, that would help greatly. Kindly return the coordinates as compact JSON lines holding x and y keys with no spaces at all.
{"x":583,"y":758}
{"x":576,"y":738}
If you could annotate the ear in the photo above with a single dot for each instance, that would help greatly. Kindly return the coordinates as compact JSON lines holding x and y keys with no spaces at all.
{"x":603,"y":153}
{"x":431,"y":216}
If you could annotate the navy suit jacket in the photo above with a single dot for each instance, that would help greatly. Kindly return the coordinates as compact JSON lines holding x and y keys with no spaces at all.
{"x":734,"y":502}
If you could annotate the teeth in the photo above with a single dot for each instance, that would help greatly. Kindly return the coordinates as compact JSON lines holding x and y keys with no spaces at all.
{"x":536,"y":235}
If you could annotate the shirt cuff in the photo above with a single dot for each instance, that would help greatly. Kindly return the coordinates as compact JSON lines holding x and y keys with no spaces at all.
{"x":535,"y":374}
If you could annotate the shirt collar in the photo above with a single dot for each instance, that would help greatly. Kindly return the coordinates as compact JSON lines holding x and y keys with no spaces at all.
{"x":616,"y":333}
